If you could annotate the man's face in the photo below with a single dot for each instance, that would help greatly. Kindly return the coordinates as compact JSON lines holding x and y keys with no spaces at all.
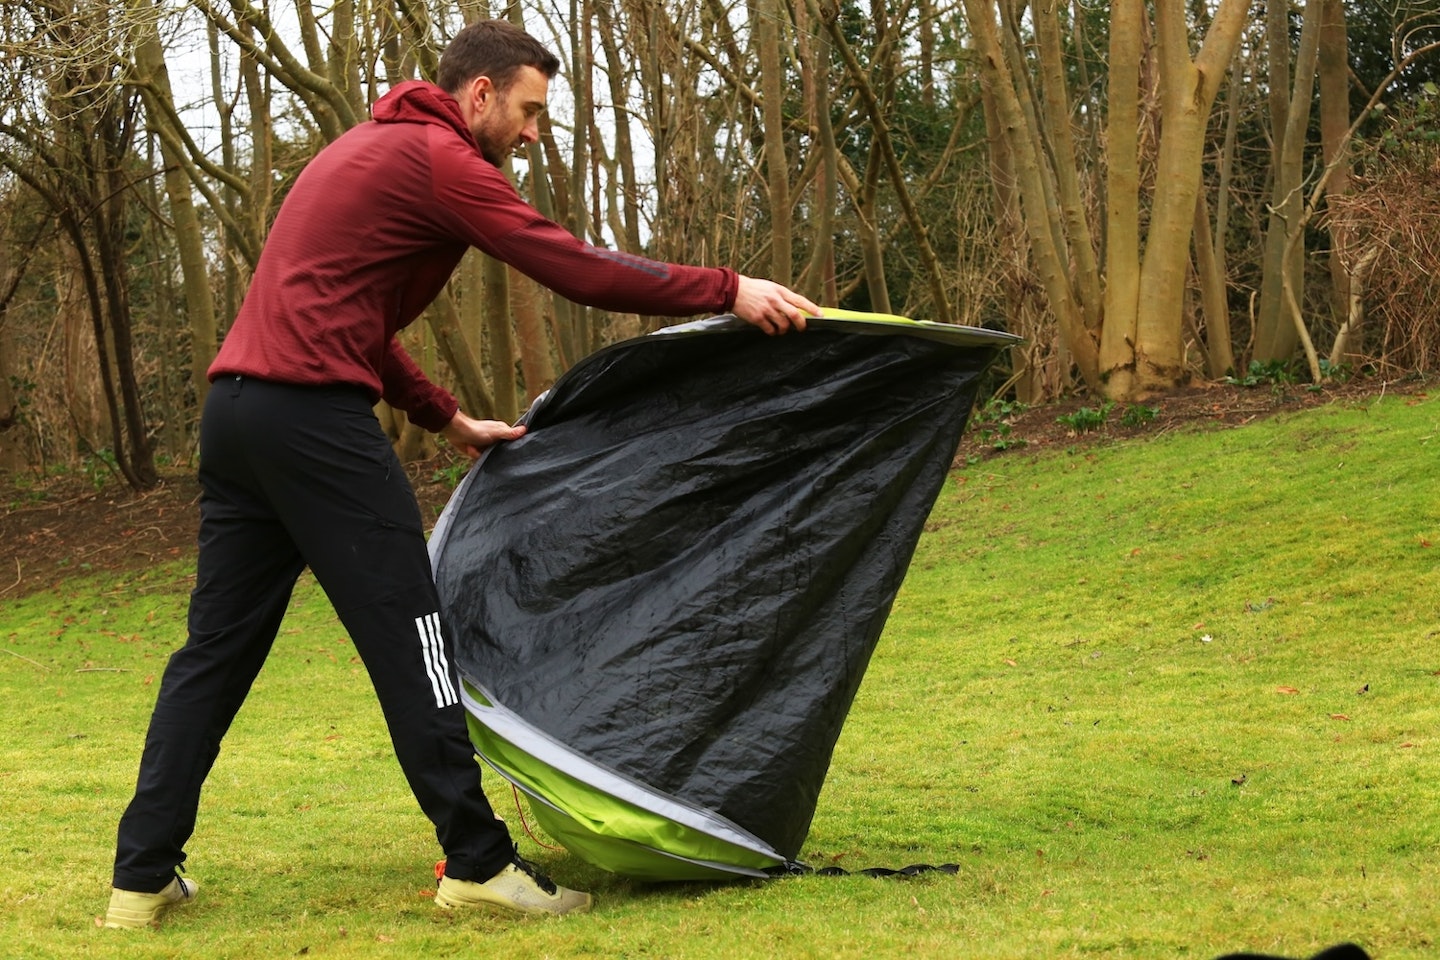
{"x":504,"y":121}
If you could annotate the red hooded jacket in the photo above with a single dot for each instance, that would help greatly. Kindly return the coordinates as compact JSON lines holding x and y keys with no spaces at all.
{"x":373,"y":228}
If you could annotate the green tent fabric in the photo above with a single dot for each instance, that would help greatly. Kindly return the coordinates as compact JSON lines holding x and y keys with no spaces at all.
{"x":663,"y":598}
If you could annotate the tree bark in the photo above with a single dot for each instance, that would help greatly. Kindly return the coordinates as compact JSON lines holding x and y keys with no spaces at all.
{"x":1056,"y":129}
{"x":1187,"y":92}
{"x":1283,"y":281}
{"x":766,"y":16}
{"x":940,"y":298}
{"x":1039,"y":223}
{"x":818,"y":279}
{"x":154,"y":80}
{"x":1334,"y":70}
{"x":498,"y":338}
{"x":1122,"y":194}
{"x":536,"y":367}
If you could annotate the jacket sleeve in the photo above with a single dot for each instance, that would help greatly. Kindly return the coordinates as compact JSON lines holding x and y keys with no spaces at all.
{"x":404,"y":386}
{"x":479,"y":206}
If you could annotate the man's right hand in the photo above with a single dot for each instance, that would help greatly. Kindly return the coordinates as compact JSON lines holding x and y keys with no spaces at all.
{"x":473,"y":437}
{"x":771,"y":306}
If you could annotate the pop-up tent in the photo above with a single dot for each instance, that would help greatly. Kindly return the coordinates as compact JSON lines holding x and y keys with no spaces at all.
{"x":661,"y":600}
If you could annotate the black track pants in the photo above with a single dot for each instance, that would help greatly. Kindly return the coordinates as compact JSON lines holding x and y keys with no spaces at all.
{"x":295,"y":476}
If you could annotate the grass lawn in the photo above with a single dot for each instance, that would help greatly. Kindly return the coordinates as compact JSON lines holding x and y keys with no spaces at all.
{"x":1168,"y":698}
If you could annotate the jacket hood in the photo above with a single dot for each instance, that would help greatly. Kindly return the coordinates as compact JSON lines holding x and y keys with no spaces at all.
{"x":416,"y":101}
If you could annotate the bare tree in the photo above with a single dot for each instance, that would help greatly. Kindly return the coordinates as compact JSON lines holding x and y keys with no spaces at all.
{"x":1133,"y":352}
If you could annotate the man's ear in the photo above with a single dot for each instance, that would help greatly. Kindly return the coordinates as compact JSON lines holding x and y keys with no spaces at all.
{"x":481,"y":90}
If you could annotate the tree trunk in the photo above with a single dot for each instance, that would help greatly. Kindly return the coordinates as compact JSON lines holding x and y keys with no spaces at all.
{"x":12,"y":419}
{"x":941,"y":310}
{"x":536,"y":367}
{"x":580,"y":85}
{"x":1122,"y":194}
{"x":262,"y":184}
{"x":1334,"y":70}
{"x":628,"y":234}
{"x":1219,"y":355}
{"x":154,"y":78}
{"x":1039,"y":225}
{"x":458,"y":354}
{"x":1187,"y":92}
{"x":1057,"y":132}
{"x":818,"y":279}
{"x":1284,"y":263}
{"x":765,"y":14}
{"x":501,"y":352}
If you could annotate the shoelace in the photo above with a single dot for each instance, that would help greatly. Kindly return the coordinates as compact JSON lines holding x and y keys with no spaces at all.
{"x":542,"y":881}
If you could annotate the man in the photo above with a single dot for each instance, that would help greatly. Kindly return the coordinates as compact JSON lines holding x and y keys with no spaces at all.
{"x":296,"y":471}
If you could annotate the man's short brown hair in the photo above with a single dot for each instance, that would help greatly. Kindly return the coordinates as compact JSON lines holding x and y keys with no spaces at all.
{"x":492,"y":48}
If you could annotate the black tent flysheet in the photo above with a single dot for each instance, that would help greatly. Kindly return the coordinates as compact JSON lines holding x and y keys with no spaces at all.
{"x":662,"y":599}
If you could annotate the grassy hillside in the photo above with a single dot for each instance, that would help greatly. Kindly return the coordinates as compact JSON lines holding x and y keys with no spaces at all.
{"x":1167,"y":698}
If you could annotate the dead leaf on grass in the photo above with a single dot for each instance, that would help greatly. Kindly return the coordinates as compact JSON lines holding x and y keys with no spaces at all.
{"x":1287,"y":690}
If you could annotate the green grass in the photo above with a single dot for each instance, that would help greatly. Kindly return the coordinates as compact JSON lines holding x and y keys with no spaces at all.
{"x":1166,"y":698}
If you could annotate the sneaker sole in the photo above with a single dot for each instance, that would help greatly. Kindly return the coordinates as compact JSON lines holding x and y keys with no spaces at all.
{"x":445,"y":903}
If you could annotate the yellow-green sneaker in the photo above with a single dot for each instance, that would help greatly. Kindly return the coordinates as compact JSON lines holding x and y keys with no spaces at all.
{"x":519,"y":888}
{"x":132,"y":910}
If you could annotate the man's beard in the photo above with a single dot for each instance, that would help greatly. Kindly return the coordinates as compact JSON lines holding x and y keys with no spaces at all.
{"x":493,"y":146}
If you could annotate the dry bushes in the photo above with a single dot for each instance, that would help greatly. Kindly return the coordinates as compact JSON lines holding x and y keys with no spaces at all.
{"x":1392,"y":224}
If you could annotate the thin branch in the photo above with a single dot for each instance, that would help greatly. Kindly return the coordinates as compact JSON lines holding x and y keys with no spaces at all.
{"x":26,"y":659}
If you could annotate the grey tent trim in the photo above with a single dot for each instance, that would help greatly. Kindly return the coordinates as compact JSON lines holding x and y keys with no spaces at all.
{"x":447,"y":515}
{"x":515,"y":730}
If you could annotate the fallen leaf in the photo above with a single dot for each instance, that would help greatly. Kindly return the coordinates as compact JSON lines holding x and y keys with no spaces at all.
{"x":1287,"y":690}
{"x":1406,"y":745}
{"x":1338,"y":716}
{"x":1010,"y":662}
{"x":1238,"y":780}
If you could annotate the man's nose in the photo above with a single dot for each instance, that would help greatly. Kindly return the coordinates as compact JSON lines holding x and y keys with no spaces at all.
{"x":531,"y":132}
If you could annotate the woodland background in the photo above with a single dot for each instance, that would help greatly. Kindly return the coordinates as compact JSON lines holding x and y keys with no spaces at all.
{"x":1151,"y":192}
